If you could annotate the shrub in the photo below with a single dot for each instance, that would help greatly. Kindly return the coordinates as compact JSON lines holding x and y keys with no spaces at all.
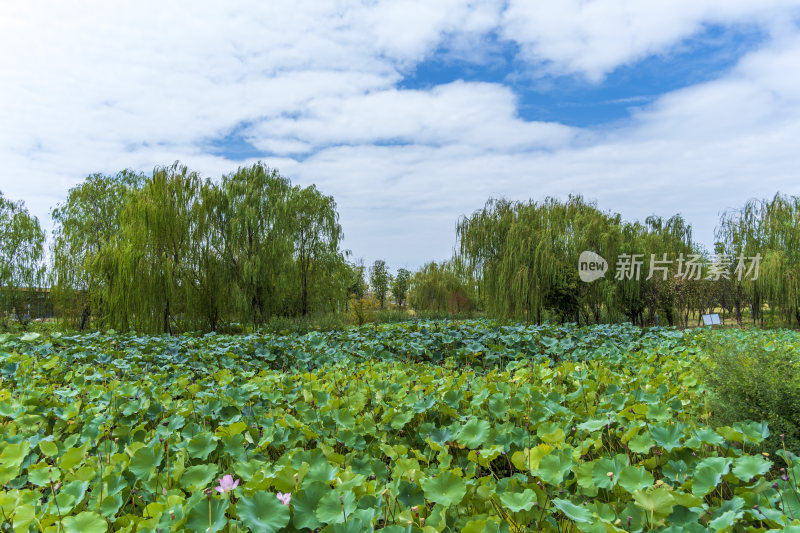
{"x":302,"y":325}
{"x":390,"y":316}
{"x":756,"y":376}
{"x":362,"y":310}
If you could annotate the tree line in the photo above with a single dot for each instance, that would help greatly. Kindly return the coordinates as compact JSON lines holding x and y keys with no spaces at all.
{"x":525,"y":256}
{"x":172,"y":251}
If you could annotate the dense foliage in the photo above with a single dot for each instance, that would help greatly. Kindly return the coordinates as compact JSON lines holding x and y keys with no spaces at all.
{"x":443,"y":287}
{"x":472,"y":427}
{"x":770,"y":228}
{"x":526,"y":255}
{"x":21,"y":250}
{"x":172,"y":251}
{"x":756,"y":376}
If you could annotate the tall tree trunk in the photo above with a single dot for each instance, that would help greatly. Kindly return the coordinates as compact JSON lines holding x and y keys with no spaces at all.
{"x":84,"y":317}
{"x":304,"y":292}
{"x":166,"y":319}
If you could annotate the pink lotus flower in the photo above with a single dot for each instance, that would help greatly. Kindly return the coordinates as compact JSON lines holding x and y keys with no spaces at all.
{"x":226,"y":484}
{"x":285,"y":498}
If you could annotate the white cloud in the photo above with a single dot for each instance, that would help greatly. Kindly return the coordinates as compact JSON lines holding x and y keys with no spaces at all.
{"x":478,"y":114}
{"x":593,"y":37}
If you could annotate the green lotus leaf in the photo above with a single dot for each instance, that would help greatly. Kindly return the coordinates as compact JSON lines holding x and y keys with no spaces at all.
{"x":683,"y":516}
{"x":675,"y":470}
{"x":69,"y":497}
{"x":668,"y":437}
{"x":481,"y":526}
{"x":709,"y":436}
{"x":750,"y":466}
{"x":11,"y":459}
{"x":474,"y":433}
{"x":85,"y":522}
{"x":145,"y":462}
{"x":207,"y":515}
{"x":43,"y":474}
{"x":518,"y":501}
{"x":263,"y":511}
{"x":321,"y":470}
{"x":602,"y":467}
{"x":198,"y":477}
{"x":334,"y":507}
{"x":724,"y":521}
{"x":593,"y":425}
{"x":110,"y":505}
{"x":353,"y":525}
{"x":553,"y":467}
{"x":446,"y":489}
{"x":305,"y":503}
{"x":72,"y":457}
{"x":633,"y":478}
{"x":48,"y":448}
{"x":656,"y":503}
{"x":410,"y":494}
{"x":574,"y":512}
{"x":201,"y":446}
{"x":641,"y":443}
{"x":705,"y":479}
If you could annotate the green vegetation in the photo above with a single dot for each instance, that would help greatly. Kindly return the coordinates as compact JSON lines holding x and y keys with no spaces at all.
{"x":756,"y":376}
{"x":400,"y":285}
{"x":472,"y":427}
{"x":21,"y":248}
{"x":380,"y":280}
{"x":772,"y":230}
{"x":173,"y":252}
{"x":526,"y":256}
{"x":318,"y":403}
{"x":442,"y":287}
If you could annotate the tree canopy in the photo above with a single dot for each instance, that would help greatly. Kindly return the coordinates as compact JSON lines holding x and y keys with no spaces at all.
{"x":173,"y":251}
{"x":21,"y":254}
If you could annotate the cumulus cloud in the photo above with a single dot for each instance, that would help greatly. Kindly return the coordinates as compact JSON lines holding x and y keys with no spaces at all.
{"x":481,"y":115}
{"x":593,"y":37}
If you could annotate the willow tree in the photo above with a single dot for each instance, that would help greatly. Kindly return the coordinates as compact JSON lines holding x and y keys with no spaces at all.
{"x":781,"y":268}
{"x":659,"y":288}
{"x":743,"y":233}
{"x":769,"y":229}
{"x":315,"y":234}
{"x":442,"y":287}
{"x":251,"y":216}
{"x":154,"y":261}
{"x":483,"y":244}
{"x":526,"y":255}
{"x":86,"y":228}
{"x":21,"y":251}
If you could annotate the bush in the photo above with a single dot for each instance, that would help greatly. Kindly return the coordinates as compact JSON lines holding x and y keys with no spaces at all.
{"x":362,"y":310}
{"x":391,"y":316}
{"x":302,"y":325}
{"x":756,"y":376}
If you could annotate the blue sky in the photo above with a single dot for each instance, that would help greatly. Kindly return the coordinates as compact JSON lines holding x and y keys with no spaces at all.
{"x":412,"y":113}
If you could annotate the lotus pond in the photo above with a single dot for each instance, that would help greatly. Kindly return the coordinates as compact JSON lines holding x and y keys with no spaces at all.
{"x":470,"y":426}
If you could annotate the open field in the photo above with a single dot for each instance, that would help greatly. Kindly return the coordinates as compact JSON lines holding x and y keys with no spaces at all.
{"x":470,"y":427}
